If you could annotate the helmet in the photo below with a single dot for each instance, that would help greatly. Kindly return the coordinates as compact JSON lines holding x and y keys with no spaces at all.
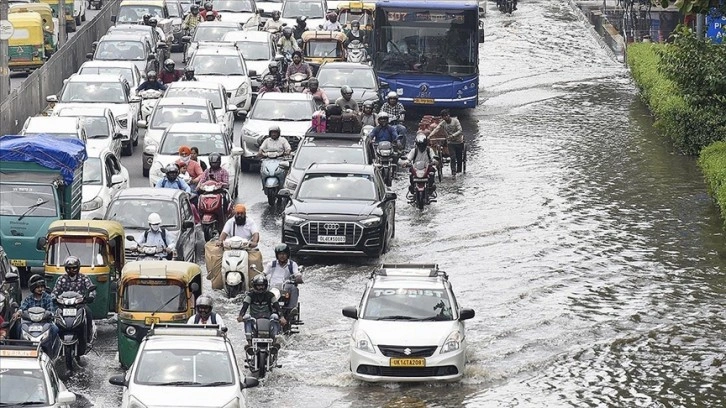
{"x":370,"y":104}
{"x":208,"y":6}
{"x":275,"y":15}
{"x":146,"y":17}
{"x":383,"y":115}
{"x":194,"y":9}
{"x":313,"y":81}
{"x":259,"y":283}
{"x":355,"y":23}
{"x":35,"y":281}
{"x":273,"y":129}
{"x":154,"y":218}
{"x":273,"y":64}
{"x":269,"y":81}
{"x":189,"y":70}
{"x":287,"y":32}
{"x":172,"y":168}
{"x":282,"y":248}
{"x":392,"y":95}
{"x":215,"y":158}
{"x":151,"y":75}
{"x":300,"y":20}
{"x":72,"y":262}
{"x":346,"y":90}
{"x":169,"y":64}
{"x":153,"y":21}
{"x":421,"y":140}
{"x":204,"y":301}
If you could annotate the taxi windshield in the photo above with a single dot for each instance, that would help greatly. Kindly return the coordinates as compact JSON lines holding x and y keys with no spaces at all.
{"x":414,"y":304}
{"x":22,"y":387}
{"x":154,"y":295}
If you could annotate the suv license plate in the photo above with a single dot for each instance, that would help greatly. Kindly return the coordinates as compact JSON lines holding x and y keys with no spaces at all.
{"x":407,"y":362}
{"x":69,"y":312}
{"x":332,"y":239}
{"x":255,"y":341}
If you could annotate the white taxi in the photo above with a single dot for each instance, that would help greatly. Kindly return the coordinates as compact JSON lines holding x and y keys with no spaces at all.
{"x":408,"y":327}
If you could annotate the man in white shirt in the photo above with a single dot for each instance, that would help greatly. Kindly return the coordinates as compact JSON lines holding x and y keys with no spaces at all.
{"x":332,"y":23}
{"x":281,"y":270}
{"x":204,"y":313}
{"x":240,"y":226}
{"x":274,"y":143}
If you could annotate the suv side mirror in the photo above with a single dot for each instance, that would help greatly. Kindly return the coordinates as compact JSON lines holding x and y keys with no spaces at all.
{"x":466,"y":314}
{"x":187,"y":225}
{"x":66,"y":397}
{"x":249,"y":382}
{"x":390,"y":196}
{"x":285,"y":165}
{"x":12,"y":275}
{"x":51,"y":98}
{"x":117,"y":179}
{"x":284,"y":192}
{"x":383,"y":84}
{"x":89,"y":55}
{"x":113,"y":19}
{"x":350,"y":311}
{"x":194,"y":287}
{"x":119,"y":380}
{"x":252,"y":73}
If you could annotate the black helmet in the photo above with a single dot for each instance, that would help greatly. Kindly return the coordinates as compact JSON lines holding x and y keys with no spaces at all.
{"x":282,"y":248}
{"x":72,"y":262}
{"x":208,"y":6}
{"x":151,"y":75}
{"x":346,"y":90}
{"x":146,"y":17}
{"x":273,"y":64}
{"x":189,"y":70}
{"x":153,"y":21}
{"x":169,"y":64}
{"x":421,"y":140}
{"x":275,"y":129}
{"x":215,"y":158}
{"x":259,"y":283}
{"x":300,"y":20}
{"x":35,"y":281}
{"x":287,"y":32}
{"x":194,"y":9}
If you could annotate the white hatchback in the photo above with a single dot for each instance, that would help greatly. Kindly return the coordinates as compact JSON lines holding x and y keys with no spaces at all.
{"x":181,"y":365}
{"x":408,"y":327}
{"x":103,"y":177}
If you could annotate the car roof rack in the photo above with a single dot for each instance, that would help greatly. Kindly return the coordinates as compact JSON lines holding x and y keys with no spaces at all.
{"x":183,"y":329}
{"x":410,"y":269}
{"x":20,"y":349}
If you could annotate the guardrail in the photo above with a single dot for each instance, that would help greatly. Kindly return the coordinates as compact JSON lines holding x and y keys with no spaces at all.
{"x":29,"y":98}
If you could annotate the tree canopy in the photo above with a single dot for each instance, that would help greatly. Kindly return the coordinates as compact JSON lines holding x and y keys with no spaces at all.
{"x":694,"y":6}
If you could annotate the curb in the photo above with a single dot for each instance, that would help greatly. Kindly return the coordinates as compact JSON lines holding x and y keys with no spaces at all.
{"x":616,"y":54}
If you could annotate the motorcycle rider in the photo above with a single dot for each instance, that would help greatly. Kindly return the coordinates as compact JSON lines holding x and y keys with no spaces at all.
{"x":268,"y":85}
{"x":75,"y":281}
{"x":367,"y":116}
{"x":274,"y":143}
{"x":280,"y":270}
{"x":204,"y":314}
{"x":217,"y":173}
{"x":274,"y":69}
{"x":346,"y":101}
{"x":195,"y":156}
{"x":193,"y":168}
{"x":355,"y":33}
{"x":240,"y":226}
{"x":384,"y":131}
{"x":171,"y":180}
{"x":38,"y":298}
{"x":316,"y":92}
{"x":153,"y":22}
{"x":287,"y":43}
{"x":332,"y":23}
{"x":169,"y":74}
{"x":396,"y":112}
{"x":274,"y":24}
{"x":298,"y":66}
{"x":454,"y":139}
{"x":422,"y":153}
{"x":261,"y":303}
{"x":151,"y":82}
{"x":301,"y":26}
{"x":192,"y":20}
{"x":514,"y":6}
{"x":209,"y":9}
{"x":157,"y":236}
{"x":189,"y":74}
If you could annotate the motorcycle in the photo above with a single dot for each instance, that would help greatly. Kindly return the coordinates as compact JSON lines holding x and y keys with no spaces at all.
{"x":35,"y":327}
{"x":421,"y":191}
{"x":272,"y":173}
{"x":261,"y":357}
{"x":357,"y":52}
{"x":291,"y":313}
{"x":235,"y":265}
{"x":149,"y":99}
{"x":148,"y":251}
{"x":505,"y":6}
{"x":297,"y":82}
{"x":386,"y":159}
{"x":70,"y":317}
{"x":209,"y":204}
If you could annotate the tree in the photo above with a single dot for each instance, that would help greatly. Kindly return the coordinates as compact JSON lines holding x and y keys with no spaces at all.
{"x":694,"y":6}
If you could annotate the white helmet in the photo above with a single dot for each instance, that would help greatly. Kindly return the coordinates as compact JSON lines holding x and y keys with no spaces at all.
{"x":154,"y":218}
{"x":392,"y":94}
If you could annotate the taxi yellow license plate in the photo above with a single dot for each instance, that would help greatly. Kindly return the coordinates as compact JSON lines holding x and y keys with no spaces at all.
{"x":423,"y":101}
{"x":408,"y":362}
{"x":151,"y":320}
{"x":18,"y":262}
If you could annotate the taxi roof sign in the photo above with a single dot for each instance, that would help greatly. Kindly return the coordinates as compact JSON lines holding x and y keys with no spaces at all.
{"x":19,"y":349}
{"x":177,"y":329}
{"x":411,"y":269}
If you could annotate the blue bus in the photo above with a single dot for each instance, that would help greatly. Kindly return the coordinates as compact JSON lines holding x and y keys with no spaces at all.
{"x":428,"y":51}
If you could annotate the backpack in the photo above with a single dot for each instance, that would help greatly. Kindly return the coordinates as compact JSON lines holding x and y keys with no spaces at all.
{"x":350,"y":123}
{"x":332,"y":110}
{"x":335,"y":124}
{"x":212,"y":316}
{"x":163,"y":235}
{"x":320,"y":123}
{"x":289,"y":266}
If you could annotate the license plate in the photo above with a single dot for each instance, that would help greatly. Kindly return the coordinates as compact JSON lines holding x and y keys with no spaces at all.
{"x":332,"y":239}
{"x":408,"y":362}
{"x":18,"y":262}
{"x":35,"y":328}
{"x":255,"y":341}
{"x":151,"y":320}
{"x":69,"y":312}
{"x":423,"y":101}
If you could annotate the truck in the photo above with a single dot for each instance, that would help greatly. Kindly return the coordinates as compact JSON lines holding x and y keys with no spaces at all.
{"x":41,"y":179}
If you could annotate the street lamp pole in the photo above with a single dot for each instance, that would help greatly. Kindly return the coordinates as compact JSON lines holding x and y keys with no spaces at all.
{"x":62,"y":35}
{"x":4,"y":56}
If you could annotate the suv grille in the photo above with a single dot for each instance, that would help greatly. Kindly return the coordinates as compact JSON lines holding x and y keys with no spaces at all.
{"x":314,"y":229}
{"x":399,"y":351}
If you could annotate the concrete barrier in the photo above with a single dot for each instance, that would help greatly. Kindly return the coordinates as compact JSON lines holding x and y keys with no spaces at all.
{"x":29,"y":98}
{"x":604,"y":33}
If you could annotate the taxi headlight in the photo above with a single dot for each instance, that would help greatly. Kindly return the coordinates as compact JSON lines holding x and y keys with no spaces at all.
{"x":291,"y":220}
{"x":361,"y":341}
{"x":131,"y":331}
{"x":91,"y":205}
{"x":453,"y":342}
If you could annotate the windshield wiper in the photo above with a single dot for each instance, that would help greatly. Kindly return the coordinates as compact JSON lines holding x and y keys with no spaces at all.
{"x":215,"y":384}
{"x":22,"y":404}
{"x":31,"y":209}
{"x":180,"y":383}
{"x":433,"y":318}
{"x":286,"y":120}
{"x":164,"y":305}
{"x":96,"y":136}
{"x":214,"y":73}
{"x":397,"y":317}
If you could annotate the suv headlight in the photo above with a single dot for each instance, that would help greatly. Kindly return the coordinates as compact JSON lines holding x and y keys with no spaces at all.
{"x":91,"y":205}
{"x":453,"y":342}
{"x":123,"y":120}
{"x":135,"y":403}
{"x":361,"y":341}
{"x":291,"y":220}
{"x":242,"y":90}
{"x":371,"y":222}
{"x":290,"y":184}
{"x":232,"y":404}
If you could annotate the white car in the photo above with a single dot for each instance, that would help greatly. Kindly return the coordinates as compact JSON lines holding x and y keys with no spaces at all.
{"x":29,"y":379}
{"x":124,"y":46}
{"x":225,"y":65}
{"x":314,"y":10}
{"x":106,"y":91}
{"x":58,"y":127}
{"x":184,"y":366}
{"x":239,"y":11}
{"x":408,"y":327}
{"x":292,"y":112}
{"x":102,"y":130}
{"x":103,"y":177}
{"x":209,"y":31}
{"x":208,"y":138}
{"x":216,"y":94}
{"x":127,"y":69}
{"x":258,"y":50}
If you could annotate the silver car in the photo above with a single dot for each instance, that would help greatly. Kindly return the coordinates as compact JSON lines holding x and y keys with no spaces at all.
{"x":102,"y":130}
{"x":225,"y":65}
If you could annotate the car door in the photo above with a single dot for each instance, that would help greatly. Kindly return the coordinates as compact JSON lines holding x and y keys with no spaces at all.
{"x":388,"y":206}
{"x":113,"y":163}
{"x":228,"y":116}
{"x":187,"y":238}
{"x":115,"y":130}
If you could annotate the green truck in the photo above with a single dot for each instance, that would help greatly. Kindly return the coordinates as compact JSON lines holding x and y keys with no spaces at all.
{"x":41,"y":180}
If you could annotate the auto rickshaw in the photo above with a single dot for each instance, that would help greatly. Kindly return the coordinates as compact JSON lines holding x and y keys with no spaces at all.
{"x":71,"y":23}
{"x":26,"y":47}
{"x":153,"y":292}
{"x":99,"y":244}
{"x":356,"y":10}
{"x":322,"y":46}
{"x":50,"y":30}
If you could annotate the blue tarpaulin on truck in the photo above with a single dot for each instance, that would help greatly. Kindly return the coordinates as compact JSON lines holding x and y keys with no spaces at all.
{"x":63,"y":154}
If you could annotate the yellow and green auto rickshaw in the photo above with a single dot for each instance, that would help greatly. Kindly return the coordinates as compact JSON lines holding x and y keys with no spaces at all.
{"x":26,"y":47}
{"x":71,"y":23}
{"x":153,"y":292}
{"x":99,"y":244}
{"x":50,"y":30}
{"x":356,"y":11}
{"x":323,"y":46}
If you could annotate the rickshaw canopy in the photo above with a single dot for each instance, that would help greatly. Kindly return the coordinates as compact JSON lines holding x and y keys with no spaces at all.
{"x":111,"y":229}
{"x":177,"y":270}
{"x":46,"y":13}
{"x":28,"y":29}
{"x":323,"y":36}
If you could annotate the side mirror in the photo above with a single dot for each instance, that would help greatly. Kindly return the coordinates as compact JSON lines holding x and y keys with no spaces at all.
{"x":136,"y":99}
{"x":150,"y":150}
{"x":194,"y":287}
{"x":186,"y":39}
{"x":89,"y":55}
{"x":118,"y":136}
{"x":151,"y":57}
{"x":141,"y":124}
{"x":237,"y":151}
{"x":285,"y":165}
{"x":390,"y":196}
{"x":12,"y":275}
{"x":466,"y":314}
{"x":241,"y":113}
{"x":51,"y":98}
{"x":232,"y":108}
{"x":383,"y":84}
{"x":130,"y":238}
{"x":187,"y":225}
{"x":41,"y":243}
{"x":161,"y":45}
{"x":94,"y":44}
{"x":284,"y":192}
{"x":260,"y":11}
{"x":350,"y":311}
{"x":66,"y":397}
{"x":119,"y":380}
{"x":249,"y":382}
{"x":252,"y":73}
{"x":117,"y":179}
{"x":113,"y":19}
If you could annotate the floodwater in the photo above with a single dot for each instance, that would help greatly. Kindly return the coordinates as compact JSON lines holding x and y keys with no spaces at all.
{"x":591,"y":253}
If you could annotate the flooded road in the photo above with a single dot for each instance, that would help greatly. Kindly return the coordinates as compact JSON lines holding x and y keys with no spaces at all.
{"x":591,"y":253}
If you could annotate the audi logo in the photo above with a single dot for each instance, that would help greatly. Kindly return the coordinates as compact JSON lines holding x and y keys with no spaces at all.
{"x":331,"y":226}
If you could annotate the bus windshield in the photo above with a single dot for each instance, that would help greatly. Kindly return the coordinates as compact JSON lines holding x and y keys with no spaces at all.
{"x":436,"y":42}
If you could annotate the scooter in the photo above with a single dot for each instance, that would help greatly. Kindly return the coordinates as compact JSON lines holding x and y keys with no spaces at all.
{"x":297,"y":82}
{"x":149,"y":99}
{"x":272,"y":173}
{"x":209,"y":204}
{"x":421,"y":191}
{"x":261,"y":357}
{"x":290,"y":312}
{"x":70,"y":317}
{"x":35,"y":326}
{"x":235,"y":265}
{"x":357,"y":52}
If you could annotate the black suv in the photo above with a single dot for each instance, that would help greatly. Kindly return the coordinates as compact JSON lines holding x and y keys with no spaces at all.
{"x":339,"y":209}
{"x":9,"y":287}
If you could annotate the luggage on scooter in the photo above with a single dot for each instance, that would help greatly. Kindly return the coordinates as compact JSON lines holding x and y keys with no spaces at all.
{"x":332,"y":110}
{"x":335,"y":124}
{"x":213,"y":259}
{"x":350,"y":123}
{"x":319,"y":123}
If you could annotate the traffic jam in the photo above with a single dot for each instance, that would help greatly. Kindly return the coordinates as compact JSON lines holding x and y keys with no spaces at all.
{"x":343,"y":110}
